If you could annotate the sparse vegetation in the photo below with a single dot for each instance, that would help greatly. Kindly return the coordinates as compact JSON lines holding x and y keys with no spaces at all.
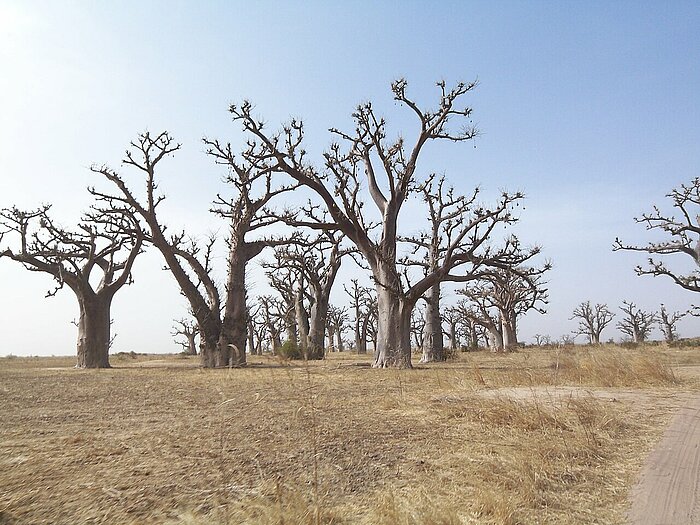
{"x":541,"y":435}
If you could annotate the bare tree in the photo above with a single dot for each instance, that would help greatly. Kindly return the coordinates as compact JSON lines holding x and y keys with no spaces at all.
{"x":481,"y":308}
{"x":418,"y":326}
{"x":683,"y":234}
{"x":453,"y":317}
{"x":542,"y":340}
{"x":592,"y":320}
{"x":223,"y":339}
{"x":337,"y":323}
{"x":667,"y":323}
{"x":368,"y":151}
{"x":189,"y":330}
{"x":318,"y":261}
{"x":358,"y":296}
{"x":106,"y":241}
{"x":287,"y":281}
{"x":446,"y":217}
{"x":509,"y":294}
{"x":272,"y":313}
{"x":636,"y":323}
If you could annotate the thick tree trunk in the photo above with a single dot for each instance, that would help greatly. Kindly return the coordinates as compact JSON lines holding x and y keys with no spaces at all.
{"x":393,"y":346}
{"x":594,"y":338}
{"x":473,"y":336}
{"x":290,"y":320}
{"x":495,"y":339}
{"x":94,"y":331}
{"x":509,"y":331}
{"x":230,"y":350}
{"x":433,"y":344}
{"x":339,"y":341}
{"x":192,"y":344}
{"x":317,"y":329}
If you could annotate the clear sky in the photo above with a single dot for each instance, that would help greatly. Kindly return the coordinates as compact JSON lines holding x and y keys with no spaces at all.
{"x":590,"y":108}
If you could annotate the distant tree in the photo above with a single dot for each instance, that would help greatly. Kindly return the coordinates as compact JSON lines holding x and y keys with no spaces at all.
{"x":106,"y":241}
{"x":359,"y":296}
{"x":318,"y":261}
{"x":272,"y":315}
{"x":390,"y":171}
{"x":337,"y":324}
{"x":501,"y":297}
{"x":592,"y":320}
{"x":418,"y":321}
{"x":636,"y":323}
{"x":683,"y":236}
{"x":667,"y":323}
{"x":566,"y":340}
{"x":542,"y":340}
{"x":188,"y":329}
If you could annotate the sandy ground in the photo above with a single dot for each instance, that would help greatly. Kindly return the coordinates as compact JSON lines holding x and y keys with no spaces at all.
{"x":668,"y":491}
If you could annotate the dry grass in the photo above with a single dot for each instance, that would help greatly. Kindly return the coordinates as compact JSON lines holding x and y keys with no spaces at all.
{"x":157,"y":440}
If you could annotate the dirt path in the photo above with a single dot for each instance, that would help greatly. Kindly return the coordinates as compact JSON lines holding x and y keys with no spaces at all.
{"x":668,"y":492}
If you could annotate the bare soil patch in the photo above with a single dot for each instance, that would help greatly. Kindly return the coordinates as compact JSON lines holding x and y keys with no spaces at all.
{"x":345,"y":444}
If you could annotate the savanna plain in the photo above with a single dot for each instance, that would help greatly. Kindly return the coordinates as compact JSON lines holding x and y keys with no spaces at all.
{"x":541,"y":435}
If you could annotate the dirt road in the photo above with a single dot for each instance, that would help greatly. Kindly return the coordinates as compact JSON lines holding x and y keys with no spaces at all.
{"x":668,"y":492}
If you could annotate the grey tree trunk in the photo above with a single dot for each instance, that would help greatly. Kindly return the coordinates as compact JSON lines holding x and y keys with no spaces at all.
{"x":302,"y":318}
{"x":393,"y":345}
{"x":317,"y":328}
{"x":339,"y":341}
{"x":509,"y":331}
{"x":94,"y":330}
{"x":192,"y":344}
{"x":433,"y":344}
{"x":495,"y":339}
{"x":331,"y":337}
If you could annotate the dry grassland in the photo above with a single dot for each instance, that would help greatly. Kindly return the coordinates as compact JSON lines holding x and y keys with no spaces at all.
{"x":537,"y":436}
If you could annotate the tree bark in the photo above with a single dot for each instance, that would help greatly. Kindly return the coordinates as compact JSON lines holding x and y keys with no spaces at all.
{"x":94,"y":330}
{"x":433,"y":344}
{"x":339,"y":338}
{"x":495,"y":339}
{"x":302,"y":318}
{"x":393,"y":345}
{"x":317,"y":328}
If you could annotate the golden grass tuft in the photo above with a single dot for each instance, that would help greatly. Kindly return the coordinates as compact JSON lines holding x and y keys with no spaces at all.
{"x":611,"y":367}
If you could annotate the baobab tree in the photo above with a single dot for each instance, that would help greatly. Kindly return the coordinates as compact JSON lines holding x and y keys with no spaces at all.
{"x":318,"y":261}
{"x":446,"y":213}
{"x":636,"y":323}
{"x":337,"y":324}
{"x":479,"y":307}
{"x":503,"y":296}
{"x":682,"y":232}
{"x":368,"y":151}
{"x":188,"y":330}
{"x":222,"y":337}
{"x":592,"y":320}
{"x":667,"y":323}
{"x":106,"y":241}
{"x":358,"y":298}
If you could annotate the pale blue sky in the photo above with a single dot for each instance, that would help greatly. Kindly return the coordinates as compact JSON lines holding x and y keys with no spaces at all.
{"x":591,"y":108}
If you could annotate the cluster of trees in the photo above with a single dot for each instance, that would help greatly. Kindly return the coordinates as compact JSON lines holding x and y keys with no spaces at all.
{"x":635,"y":323}
{"x":458,"y":245}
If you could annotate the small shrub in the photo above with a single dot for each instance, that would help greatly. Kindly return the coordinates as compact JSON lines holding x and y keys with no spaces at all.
{"x":290,"y":350}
